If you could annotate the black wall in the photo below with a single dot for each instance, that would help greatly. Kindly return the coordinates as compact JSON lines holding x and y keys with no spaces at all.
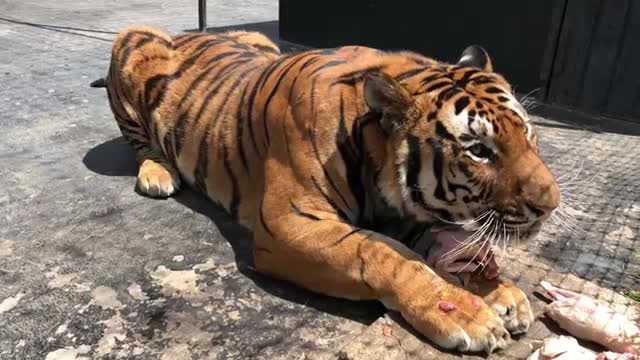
{"x":597,"y":65}
{"x":582,"y":55}
{"x":514,"y":32}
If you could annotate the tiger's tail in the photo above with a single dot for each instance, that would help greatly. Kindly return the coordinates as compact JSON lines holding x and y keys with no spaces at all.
{"x":99,"y":83}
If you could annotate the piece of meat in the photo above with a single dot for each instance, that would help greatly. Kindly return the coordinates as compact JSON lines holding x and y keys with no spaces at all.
{"x":449,"y":253}
{"x":616,"y":356}
{"x":561,"y":348}
{"x":567,"y":348}
{"x":587,"y":319}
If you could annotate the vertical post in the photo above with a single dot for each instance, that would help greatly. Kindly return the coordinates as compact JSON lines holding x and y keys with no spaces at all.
{"x":202,"y":15}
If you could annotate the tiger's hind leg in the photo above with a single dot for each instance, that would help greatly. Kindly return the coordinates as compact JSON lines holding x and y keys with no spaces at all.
{"x":140,"y":54}
{"x":157,"y":177}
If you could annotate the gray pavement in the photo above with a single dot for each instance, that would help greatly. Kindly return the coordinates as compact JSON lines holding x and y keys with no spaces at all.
{"x":90,"y":269}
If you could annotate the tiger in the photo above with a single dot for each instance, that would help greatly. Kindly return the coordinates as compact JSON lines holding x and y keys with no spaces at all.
{"x":337,"y":160}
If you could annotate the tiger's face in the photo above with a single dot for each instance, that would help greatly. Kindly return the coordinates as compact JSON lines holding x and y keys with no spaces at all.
{"x":465,"y":149}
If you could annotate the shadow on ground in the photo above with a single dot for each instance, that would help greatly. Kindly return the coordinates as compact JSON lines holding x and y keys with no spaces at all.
{"x":115,"y":158}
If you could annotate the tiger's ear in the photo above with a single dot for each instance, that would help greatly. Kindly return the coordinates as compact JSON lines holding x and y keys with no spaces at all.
{"x":477,"y":57}
{"x":387,"y":97}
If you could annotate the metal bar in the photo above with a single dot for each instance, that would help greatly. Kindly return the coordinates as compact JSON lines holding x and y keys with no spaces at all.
{"x":202,"y":15}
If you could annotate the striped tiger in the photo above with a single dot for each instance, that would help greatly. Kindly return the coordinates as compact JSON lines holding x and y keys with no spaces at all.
{"x":338,"y":159}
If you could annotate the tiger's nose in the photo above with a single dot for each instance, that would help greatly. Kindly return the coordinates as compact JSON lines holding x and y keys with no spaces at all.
{"x":543,"y":199}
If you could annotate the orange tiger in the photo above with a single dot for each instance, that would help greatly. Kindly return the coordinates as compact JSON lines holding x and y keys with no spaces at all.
{"x":338,"y":159}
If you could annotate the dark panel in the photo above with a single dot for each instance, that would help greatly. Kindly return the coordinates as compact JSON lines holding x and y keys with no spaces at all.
{"x":553,"y":35}
{"x":573,"y":51}
{"x":514,"y":32}
{"x":602,"y":57}
{"x":624,"y":95}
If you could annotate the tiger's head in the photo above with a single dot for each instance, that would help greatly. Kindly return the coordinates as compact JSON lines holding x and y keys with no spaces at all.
{"x":464,"y":149}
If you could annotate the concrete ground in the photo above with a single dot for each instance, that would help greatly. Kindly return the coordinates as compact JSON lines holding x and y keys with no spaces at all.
{"x":90,"y":269}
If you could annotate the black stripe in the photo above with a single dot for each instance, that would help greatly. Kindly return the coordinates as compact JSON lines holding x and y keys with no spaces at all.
{"x":283,"y":74}
{"x":225,"y":70}
{"x":267,"y":49}
{"x":409,"y":73}
{"x":431,"y":78}
{"x":351,"y":158}
{"x":461,"y":104}
{"x":443,"y":133}
{"x":235,"y":190}
{"x":363,"y":262}
{"x":202,"y":162}
{"x":203,"y":75}
{"x":448,"y":93}
{"x":327,"y":65}
{"x":187,"y":39}
{"x":165,"y":79}
{"x":345,"y":236}
{"x":414,"y":166}
{"x":465,"y":78}
{"x":453,"y":187}
{"x":178,"y":131}
{"x":286,"y":143}
{"x":309,"y":63}
{"x":438,"y":165}
{"x":157,"y":83}
{"x":129,"y":49}
{"x":327,"y":51}
{"x":272,"y":68}
{"x":312,"y":101}
{"x":240,"y":46}
{"x":203,"y":153}
{"x":494,"y":90}
{"x":437,"y":85}
{"x":184,"y":114}
{"x":354,"y":77}
{"x":304,"y":65}
{"x":479,"y":80}
{"x":247,"y":54}
{"x":264,"y":224}
{"x":316,"y":152}
{"x":239,"y":129}
{"x":252,"y":96}
{"x":329,"y":199}
{"x":302,"y":213}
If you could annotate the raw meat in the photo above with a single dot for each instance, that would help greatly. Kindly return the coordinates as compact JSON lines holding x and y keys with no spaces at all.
{"x":587,"y":319}
{"x":567,"y":348}
{"x":561,"y":348}
{"x":615,"y":356}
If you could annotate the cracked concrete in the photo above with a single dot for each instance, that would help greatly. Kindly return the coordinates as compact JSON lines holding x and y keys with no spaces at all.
{"x":90,"y":269}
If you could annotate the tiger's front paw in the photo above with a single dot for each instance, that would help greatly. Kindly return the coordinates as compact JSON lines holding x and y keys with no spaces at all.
{"x":508,"y":301}
{"x":456,"y":319}
{"x":157,"y":180}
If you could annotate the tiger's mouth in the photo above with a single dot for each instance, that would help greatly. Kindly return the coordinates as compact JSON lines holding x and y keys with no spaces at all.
{"x":468,"y":247}
{"x":456,"y":250}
